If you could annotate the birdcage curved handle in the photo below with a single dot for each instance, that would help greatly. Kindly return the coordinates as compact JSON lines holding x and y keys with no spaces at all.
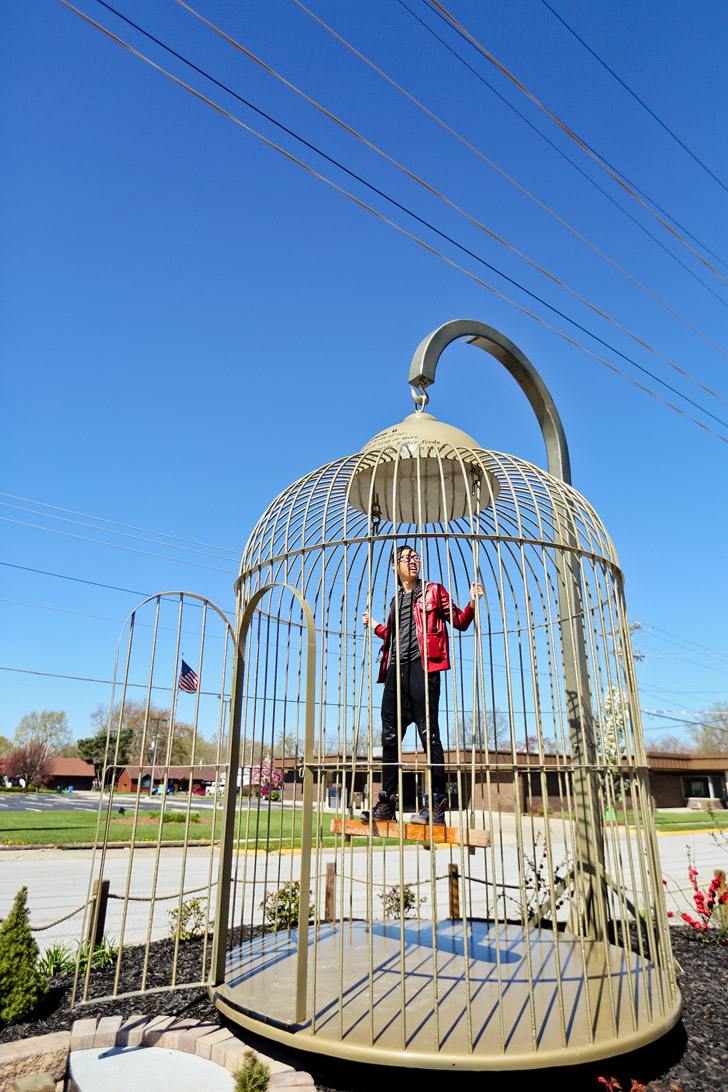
{"x":428,"y":352}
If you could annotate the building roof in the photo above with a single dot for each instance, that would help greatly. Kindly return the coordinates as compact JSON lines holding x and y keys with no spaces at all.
{"x":70,"y":767}
{"x":199,"y":773}
{"x":688,"y":762}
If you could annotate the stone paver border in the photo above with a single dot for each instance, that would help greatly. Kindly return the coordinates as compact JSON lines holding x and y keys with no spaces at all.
{"x":50,"y":1053}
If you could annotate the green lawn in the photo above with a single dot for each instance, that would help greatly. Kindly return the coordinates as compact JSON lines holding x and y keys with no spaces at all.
{"x":694,"y":820}
{"x":67,"y":827}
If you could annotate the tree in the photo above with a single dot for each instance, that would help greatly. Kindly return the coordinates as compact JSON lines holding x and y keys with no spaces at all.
{"x":286,"y":745}
{"x":497,"y":735}
{"x":669,"y":745}
{"x":253,"y":751}
{"x":611,"y":737}
{"x":156,"y":737}
{"x":266,"y":776}
{"x":22,"y":986}
{"x":29,"y":764}
{"x":49,"y":728}
{"x":710,"y":732}
{"x":93,"y":749}
{"x":6,"y":746}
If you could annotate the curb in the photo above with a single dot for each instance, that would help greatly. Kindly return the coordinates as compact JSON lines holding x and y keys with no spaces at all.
{"x":52,"y":1054}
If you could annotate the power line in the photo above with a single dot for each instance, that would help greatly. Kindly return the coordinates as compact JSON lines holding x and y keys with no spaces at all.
{"x":436,"y":193}
{"x":445,"y":14}
{"x":597,"y":158}
{"x":643,"y":104}
{"x":105,"y":682}
{"x":102,"y":519}
{"x":383,"y":218}
{"x":391,"y":223}
{"x":508,"y":177}
{"x":98,"y":617}
{"x":76,"y":579}
{"x":111,"y":531}
{"x":115,"y":545}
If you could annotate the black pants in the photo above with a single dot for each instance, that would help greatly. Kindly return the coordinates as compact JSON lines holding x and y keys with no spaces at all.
{"x":412,"y":698}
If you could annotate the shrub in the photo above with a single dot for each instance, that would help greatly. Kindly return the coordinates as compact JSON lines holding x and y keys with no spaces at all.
{"x":180,"y":817}
{"x":253,"y":1075}
{"x":393,"y":903}
{"x":282,"y":908}
{"x":22,"y":985}
{"x":188,"y":920}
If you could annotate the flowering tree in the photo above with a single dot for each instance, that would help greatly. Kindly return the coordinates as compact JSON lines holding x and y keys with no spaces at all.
{"x":612,"y":725}
{"x":29,"y":764}
{"x":264,"y":775}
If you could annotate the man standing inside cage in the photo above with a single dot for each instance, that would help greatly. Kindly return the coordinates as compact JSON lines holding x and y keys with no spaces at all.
{"x":415,"y":647}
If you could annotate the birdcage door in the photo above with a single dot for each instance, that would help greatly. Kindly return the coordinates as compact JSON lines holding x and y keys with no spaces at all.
{"x":265,"y":852}
{"x":162,"y":776}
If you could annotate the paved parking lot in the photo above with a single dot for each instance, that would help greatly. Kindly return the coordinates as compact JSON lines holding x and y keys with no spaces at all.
{"x":89,"y":801}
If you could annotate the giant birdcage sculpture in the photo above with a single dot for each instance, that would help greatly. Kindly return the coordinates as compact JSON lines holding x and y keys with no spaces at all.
{"x":525,"y":925}
{"x":502,"y":908}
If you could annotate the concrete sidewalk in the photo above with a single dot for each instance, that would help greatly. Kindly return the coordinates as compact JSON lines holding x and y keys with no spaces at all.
{"x":115,"y":1055}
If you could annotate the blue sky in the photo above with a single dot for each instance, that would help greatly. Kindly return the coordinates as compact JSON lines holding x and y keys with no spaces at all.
{"x":190,"y":321}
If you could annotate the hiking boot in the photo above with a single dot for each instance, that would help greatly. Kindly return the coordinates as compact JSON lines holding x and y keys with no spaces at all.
{"x":384,"y":812}
{"x":438,"y":811}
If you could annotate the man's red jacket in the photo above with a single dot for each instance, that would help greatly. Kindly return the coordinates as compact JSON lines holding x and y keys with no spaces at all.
{"x":439,"y":609}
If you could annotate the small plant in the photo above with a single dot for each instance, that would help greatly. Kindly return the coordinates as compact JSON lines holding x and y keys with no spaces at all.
{"x":103,"y":955}
{"x":22,"y":984}
{"x":274,"y":795}
{"x":712,"y":907}
{"x":536,"y":880}
{"x":282,"y":908}
{"x":57,"y":959}
{"x":398,"y":904}
{"x":253,"y":1075}
{"x":188,"y":920}
{"x":105,"y":952}
{"x":180,"y":817}
{"x":613,"y":1085}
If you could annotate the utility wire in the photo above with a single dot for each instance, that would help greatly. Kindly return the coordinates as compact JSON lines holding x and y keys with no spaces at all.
{"x":436,"y":193}
{"x":76,"y":579}
{"x":425,"y":246}
{"x":115,"y":545}
{"x":111,"y":531}
{"x":560,"y":152}
{"x":106,"y":682}
{"x":446,"y":16}
{"x":513,"y":181}
{"x":381,"y":193}
{"x":644,"y":106}
{"x":129,"y":526}
{"x":93,"y":583}
{"x":105,"y":617}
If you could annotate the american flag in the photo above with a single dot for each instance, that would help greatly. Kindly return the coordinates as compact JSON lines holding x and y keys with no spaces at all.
{"x":187,"y":679}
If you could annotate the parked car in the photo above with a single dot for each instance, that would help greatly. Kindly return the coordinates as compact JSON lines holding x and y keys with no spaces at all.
{"x":199,"y":792}
{"x":158,"y":788}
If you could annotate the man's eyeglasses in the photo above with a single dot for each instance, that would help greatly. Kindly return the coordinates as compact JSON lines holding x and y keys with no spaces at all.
{"x":408,"y":557}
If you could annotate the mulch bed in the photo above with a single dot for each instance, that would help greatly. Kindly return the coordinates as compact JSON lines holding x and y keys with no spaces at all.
{"x":693,"y":1058}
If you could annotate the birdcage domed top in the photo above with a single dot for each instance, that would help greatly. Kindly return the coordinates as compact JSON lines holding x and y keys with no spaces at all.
{"x":423,"y":432}
{"x":498,"y":496}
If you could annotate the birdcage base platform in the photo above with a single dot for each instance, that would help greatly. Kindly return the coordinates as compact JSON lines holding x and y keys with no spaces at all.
{"x":520,"y":1001}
